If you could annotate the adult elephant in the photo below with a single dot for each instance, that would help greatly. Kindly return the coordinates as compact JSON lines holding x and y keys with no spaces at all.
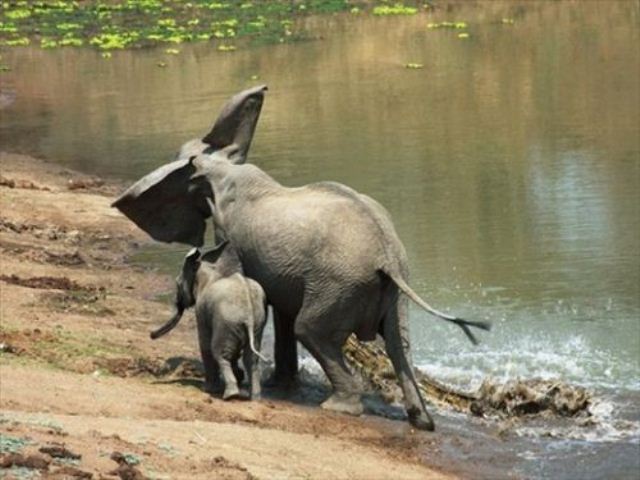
{"x":328,"y":257}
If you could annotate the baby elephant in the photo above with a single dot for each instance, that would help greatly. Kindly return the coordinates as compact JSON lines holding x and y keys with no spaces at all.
{"x":231,"y":314}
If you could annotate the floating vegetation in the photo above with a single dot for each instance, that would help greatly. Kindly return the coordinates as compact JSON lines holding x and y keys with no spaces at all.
{"x":413,"y":66}
{"x":397,"y":9}
{"x":172,"y":51}
{"x":463,"y":35}
{"x":123,"y":24}
{"x":508,"y":21}
{"x":454,"y":25}
{"x":15,"y":42}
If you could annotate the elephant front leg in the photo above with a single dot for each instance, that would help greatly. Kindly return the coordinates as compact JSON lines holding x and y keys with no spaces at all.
{"x":285,"y":352}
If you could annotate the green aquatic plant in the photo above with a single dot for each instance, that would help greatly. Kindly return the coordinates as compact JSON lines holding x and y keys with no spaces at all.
{"x":228,"y":33}
{"x":226,"y":48}
{"x":17,"y":14}
{"x":68,"y":26}
{"x":48,"y":43}
{"x":413,"y":66}
{"x":218,"y":6}
{"x":114,"y":41}
{"x":102,"y":24}
{"x":167,"y":22}
{"x":71,"y":42}
{"x":15,"y":42}
{"x":8,"y":28}
{"x":454,"y":25}
{"x":508,"y":21}
{"x":463,"y":35}
{"x":172,"y":51}
{"x":397,"y":9}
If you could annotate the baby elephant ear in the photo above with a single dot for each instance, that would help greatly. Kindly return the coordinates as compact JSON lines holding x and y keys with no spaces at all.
{"x":192,"y":255}
{"x":233,"y":131}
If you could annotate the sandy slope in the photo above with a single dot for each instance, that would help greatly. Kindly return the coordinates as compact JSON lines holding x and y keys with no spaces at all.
{"x":76,"y":365}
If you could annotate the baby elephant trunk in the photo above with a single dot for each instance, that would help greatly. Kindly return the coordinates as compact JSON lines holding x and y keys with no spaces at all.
{"x":170,"y":325}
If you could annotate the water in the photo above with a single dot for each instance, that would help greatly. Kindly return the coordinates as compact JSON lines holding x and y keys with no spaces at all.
{"x":510,"y":164}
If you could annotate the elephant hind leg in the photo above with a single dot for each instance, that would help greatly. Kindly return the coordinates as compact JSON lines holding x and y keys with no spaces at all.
{"x":312,"y":330}
{"x":237,"y":372}
{"x":396,"y":336}
{"x":212,"y":382}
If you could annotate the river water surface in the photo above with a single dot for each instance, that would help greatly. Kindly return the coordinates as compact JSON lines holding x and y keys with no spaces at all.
{"x":510,"y":163}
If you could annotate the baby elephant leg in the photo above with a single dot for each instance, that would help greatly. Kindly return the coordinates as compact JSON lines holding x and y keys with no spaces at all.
{"x":252,"y":367}
{"x":231,"y":389}
{"x":237,"y":371}
{"x":212,"y":382}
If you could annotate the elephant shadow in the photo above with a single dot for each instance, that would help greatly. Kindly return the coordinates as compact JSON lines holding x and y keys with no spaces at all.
{"x":184,"y":371}
{"x":311,"y":389}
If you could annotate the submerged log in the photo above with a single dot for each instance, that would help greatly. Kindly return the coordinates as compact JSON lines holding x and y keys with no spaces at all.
{"x":513,"y":398}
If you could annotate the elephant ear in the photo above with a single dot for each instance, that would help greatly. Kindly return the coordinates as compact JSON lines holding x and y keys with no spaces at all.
{"x":166,"y":203}
{"x":211,"y":255}
{"x":233,"y":131}
{"x":191,"y":260}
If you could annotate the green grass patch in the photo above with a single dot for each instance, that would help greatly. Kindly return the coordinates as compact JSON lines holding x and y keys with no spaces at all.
{"x":10,"y":444}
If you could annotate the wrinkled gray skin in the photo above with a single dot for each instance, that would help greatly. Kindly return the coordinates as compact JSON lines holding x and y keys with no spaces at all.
{"x":230,"y":313}
{"x":328,"y":257}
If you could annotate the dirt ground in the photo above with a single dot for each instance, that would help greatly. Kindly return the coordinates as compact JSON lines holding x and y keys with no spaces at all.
{"x":84,"y":392}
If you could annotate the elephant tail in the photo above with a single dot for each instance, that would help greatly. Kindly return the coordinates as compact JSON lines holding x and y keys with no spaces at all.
{"x":251,"y":324}
{"x":252,"y":346}
{"x":463,"y":324}
{"x":167,"y":327}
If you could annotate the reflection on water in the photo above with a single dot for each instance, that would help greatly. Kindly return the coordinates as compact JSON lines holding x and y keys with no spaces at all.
{"x":510,"y":162}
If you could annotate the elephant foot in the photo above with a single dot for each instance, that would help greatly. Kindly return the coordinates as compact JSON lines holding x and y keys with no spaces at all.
{"x":420,"y":419}
{"x":213,"y":388}
{"x":281,"y":382}
{"x":231,"y":393}
{"x":349,"y":404}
